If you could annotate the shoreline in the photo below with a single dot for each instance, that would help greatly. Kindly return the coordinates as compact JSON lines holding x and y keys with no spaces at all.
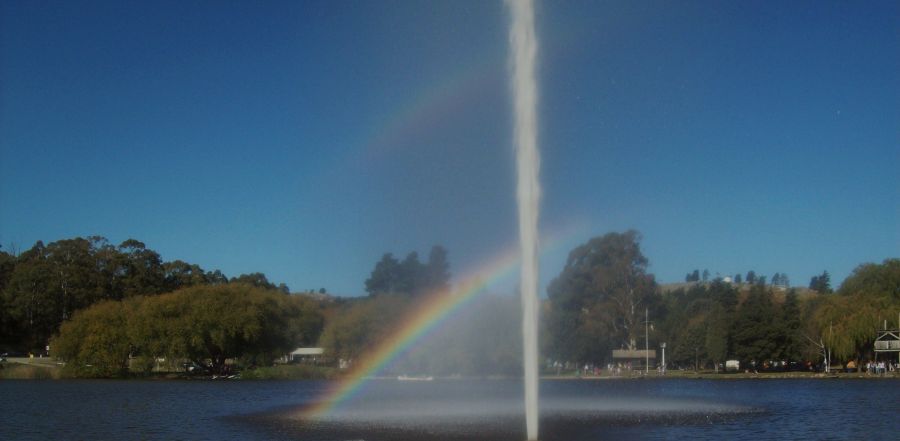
{"x":711,"y":375}
{"x":49,"y":370}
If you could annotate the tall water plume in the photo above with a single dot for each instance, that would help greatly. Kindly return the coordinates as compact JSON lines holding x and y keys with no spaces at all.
{"x":523,"y":46}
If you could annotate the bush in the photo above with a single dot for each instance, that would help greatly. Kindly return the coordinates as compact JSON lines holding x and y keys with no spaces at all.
{"x":291,"y":372}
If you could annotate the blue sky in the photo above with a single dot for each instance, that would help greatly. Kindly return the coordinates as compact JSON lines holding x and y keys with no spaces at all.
{"x":305,"y":139}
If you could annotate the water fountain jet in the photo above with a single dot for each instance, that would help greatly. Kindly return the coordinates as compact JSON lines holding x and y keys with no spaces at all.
{"x":523,"y":46}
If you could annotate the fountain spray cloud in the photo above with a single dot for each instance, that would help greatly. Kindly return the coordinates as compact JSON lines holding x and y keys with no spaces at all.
{"x":523,"y":46}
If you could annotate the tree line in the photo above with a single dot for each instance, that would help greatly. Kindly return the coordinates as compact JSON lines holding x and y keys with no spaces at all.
{"x":603,"y":294}
{"x":45,"y":285}
{"x":107,"y":308}
{"x":820,"y":283}
{"x":483,"y":339}
{"x":410,"y":276}
{"x":600,"y":301}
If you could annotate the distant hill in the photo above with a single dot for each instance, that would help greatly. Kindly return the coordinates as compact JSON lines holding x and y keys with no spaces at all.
{"x":803,"y":293}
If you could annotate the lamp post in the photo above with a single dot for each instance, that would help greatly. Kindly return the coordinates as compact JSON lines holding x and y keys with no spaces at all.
{"x":646,"y":341}
{"x":663,"y":347}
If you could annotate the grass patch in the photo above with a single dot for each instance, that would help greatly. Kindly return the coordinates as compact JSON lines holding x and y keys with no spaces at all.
{"x":16,"y":371}
{"x":290,"y":372}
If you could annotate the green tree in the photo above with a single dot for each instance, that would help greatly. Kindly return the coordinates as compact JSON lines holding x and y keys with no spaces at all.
{"x":180,"y":274}
{"x":751,"y":277}
{"x":411,"y":275}
{"x":385,"y":278}
{"x":216,"y":277}
{"x":697,"y":323}
{"x":45,"y":285}
{"x":599,"y":298}
{"x":258,"y":280}
{"x":142,"y":270}
{"x":230,"y":321}
{"x":95,"y":342}
{"x":821,"y":283}
{"x":690,"y":348}
{"x":206,"y":324}
{"x":725,"y":295}
{"x":848,"y":323}
{"x":72,"y":264}
{"x":693,"y":277}
{"x":109,"y":270}
{"x":7,"y":266}
{"x":29,"y":300}
{"x":755,"y":332}
{"x":360,"y":324}
{"x":874,"y":281}
{"x":718,"y":323}
{"x":51,"y":282}
{"x":792,"y":324}
{"x":437,"y":270}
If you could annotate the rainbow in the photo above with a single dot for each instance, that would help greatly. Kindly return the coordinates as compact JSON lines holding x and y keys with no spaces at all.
{"x":433,"y":106}
{"x":422,"y":318}
{"x":425,"y":316}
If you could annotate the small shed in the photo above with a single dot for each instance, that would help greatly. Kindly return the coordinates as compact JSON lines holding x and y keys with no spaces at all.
{"x":636,"y":358}
{"x":305,"y":355}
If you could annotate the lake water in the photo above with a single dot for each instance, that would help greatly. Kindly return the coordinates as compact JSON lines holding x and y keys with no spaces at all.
{"x":453,"y":409}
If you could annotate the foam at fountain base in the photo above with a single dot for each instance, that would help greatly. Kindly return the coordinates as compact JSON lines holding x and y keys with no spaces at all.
{"x":582,"y":424}
{"x":433,"y":412}
{"x":401,"y":418}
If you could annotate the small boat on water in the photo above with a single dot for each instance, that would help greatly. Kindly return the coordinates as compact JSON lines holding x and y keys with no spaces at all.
{"x":415,"y":378}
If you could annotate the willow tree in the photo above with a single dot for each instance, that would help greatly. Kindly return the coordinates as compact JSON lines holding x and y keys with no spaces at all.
{"x":210,"y":324}
{"x":96,"y":343}
{"x":847,"y":323}
{"x":205,"y":324}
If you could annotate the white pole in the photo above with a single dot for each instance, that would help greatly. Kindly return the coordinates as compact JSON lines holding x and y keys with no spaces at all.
{"x":828,"y":356}
{"x":664,"y":358}
{"x":646,"y":341}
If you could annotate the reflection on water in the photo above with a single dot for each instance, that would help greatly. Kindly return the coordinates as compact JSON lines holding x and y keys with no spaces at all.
{"x":452,"y":410}
{"x":490,"y":410}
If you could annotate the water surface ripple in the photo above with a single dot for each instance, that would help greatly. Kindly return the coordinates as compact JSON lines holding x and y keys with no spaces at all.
{"x":452,"y":410}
